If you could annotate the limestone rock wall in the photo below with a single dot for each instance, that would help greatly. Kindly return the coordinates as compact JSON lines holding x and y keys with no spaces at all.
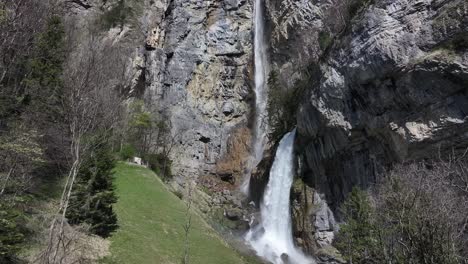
{"x":392,"y":89}
{"x":198,"y":64}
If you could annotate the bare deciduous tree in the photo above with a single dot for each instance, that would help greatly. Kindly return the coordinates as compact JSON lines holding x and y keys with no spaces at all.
{"x":92,"y":105}
{"x":188,"y":218}
{"x":419,"y":214}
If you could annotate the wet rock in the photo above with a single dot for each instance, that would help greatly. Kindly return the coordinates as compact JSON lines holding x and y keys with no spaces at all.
{"x":285,"y":258}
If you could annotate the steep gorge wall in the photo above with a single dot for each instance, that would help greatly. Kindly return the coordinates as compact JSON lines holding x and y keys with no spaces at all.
{"x":392,"y":89}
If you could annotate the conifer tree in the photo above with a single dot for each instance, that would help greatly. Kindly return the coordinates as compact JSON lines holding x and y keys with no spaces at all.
{"x":93,"y":194}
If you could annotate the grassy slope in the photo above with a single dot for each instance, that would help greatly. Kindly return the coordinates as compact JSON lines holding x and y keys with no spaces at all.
{"x":151,"y":223}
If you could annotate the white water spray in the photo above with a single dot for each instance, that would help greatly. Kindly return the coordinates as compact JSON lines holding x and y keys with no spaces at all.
{"x":259,"y":139}
{"x":272,"y":238}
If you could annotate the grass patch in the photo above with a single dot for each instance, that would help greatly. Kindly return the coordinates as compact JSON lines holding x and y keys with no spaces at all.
{"x":151,"y":220}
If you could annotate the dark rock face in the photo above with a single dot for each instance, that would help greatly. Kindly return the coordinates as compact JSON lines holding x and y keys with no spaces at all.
{"x":395,"y":88}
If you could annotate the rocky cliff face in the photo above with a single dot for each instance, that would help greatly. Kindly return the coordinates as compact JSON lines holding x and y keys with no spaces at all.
{"x":392,"y":85}
{"x":197,"y":68}
{"x":394,"y":88}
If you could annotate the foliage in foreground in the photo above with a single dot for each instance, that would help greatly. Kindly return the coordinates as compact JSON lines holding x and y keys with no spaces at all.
{"x":418,"y":214}
{"x":30,"y":92}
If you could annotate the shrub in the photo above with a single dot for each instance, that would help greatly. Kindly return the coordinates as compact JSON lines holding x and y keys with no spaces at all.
{"x":44,"y":82}
{"x":140,"y":127}
{"x":127,"y":152}
{"x":325,"y":40}
{"x":160,"y":164}
{"x":11,"y":233}
{"x":356,"y":239}
{"x":116,"y":16}
{"x":282,"y":102}
{"x":356,"y":6}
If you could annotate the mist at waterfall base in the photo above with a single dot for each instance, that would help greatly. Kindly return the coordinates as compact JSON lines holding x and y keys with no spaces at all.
{"x":272,"y":238}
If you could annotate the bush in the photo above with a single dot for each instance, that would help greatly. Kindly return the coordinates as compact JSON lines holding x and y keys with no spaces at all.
{"x":11,"y":233}
{"x":282,"y":103}
{"x":44,"y":82}
{"x":140,"y":128}
{"x":117,"y":15}
{"x":160,"y":164}
{"x":325,"y":40}
{"x":356,"y":6}
{"x":356,"y":239}
{"x":127,"y":152}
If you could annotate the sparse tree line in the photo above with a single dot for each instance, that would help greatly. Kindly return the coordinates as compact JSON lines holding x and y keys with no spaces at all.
{"x":63,"y":126}
{"x":417,"y":214}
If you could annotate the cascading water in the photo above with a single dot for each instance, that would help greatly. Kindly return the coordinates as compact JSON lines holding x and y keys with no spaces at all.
{"x":260,"y":93}
{"x":272,"y":238}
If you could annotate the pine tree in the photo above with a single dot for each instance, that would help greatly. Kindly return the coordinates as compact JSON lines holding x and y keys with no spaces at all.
{"x":93,"y":195}
{"x":11,"y":233}
{"x":356,"y":239}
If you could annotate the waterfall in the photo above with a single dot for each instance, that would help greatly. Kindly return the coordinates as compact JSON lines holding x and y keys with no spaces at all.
{"x":259,"y":139}
{"x":272,"y":238}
